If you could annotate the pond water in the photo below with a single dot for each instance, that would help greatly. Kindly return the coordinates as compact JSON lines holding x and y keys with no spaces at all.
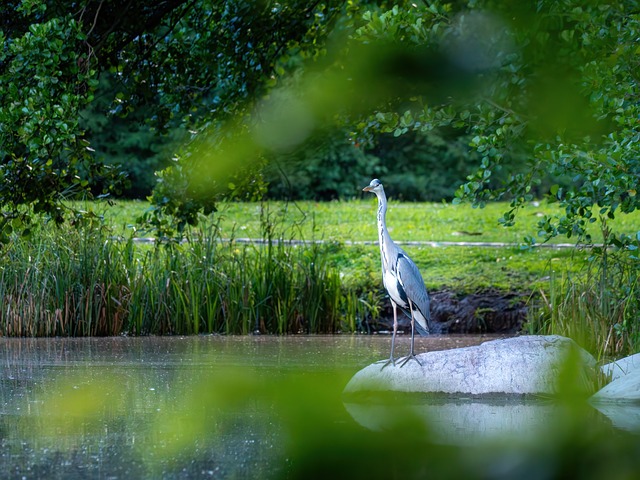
{"x":265,"y":407}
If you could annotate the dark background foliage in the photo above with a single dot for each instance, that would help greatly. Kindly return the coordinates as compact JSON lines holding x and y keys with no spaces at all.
{"x":414,"y":167}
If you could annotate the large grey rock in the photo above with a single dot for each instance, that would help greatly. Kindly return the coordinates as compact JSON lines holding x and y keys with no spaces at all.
{"x":519,"y":365}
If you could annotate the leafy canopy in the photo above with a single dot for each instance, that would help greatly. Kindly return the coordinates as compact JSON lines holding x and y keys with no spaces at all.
{"x":543,"y":90}
{"x":540,"y":88}
{"x":183,"y":62}
{"x":556,"y":94}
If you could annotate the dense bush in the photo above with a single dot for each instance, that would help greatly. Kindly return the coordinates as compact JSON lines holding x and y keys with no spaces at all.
{"x":126,"y":139}
{"x":424,"y":167}
{"x":414,"y":167}
{"x":328,"y":167}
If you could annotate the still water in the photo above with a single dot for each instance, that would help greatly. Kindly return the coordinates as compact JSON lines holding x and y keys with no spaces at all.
{"x":256,"y":407}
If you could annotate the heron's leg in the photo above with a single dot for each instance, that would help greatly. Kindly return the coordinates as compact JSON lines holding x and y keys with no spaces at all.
{"x":395,"y":330}
{"x":392,"y":360}
{"x":411,"y":355}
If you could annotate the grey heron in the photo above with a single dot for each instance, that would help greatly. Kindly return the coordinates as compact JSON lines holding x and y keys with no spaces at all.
{"x":401,"y":278}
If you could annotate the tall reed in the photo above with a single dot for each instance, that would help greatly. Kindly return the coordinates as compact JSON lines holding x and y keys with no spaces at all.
{"x":65,"y":282}
{"x":599,"y":307}
{"x":84,"y":281}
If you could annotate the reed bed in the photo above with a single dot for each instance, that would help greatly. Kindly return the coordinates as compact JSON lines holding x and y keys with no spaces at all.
{"x":598,"y":307}
{"x":86,"y":282}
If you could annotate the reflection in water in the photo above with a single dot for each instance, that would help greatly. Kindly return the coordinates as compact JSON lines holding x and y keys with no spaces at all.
{"x":516,"y":420}
{"x":253,"y":407}
{"x":623,"y":415}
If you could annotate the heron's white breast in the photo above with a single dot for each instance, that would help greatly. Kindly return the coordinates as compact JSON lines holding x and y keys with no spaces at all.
{"x":391,"y":284}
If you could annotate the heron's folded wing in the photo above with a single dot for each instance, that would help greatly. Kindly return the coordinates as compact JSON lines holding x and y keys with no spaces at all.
{"x":411,"y":280}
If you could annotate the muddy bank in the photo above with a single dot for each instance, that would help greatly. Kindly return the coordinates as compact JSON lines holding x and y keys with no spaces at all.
{"x":487,"y":311}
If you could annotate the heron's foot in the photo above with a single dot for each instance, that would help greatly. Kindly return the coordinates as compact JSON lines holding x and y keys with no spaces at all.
{"x":391,"y":361}
{"x":411,"y":356}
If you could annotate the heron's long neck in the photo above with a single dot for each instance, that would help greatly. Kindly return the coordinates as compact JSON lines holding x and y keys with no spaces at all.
{"x":383,"y":234}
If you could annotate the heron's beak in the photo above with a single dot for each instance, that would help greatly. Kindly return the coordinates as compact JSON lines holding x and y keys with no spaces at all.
{"x":368,"y":188}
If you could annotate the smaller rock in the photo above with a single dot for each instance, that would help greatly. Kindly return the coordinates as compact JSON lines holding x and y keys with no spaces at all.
{"x":625,"y":388}
{"x":622,"y":367}
{"x":625,"y":384}
{"x":522,"y":365}
{"x":620,"y":399}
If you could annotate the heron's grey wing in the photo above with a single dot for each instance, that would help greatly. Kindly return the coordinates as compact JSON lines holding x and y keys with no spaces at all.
{"x":413,"y":284}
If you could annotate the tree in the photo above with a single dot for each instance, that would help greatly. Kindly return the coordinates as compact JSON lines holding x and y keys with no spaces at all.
{"x":542,"y":90}
{"x":45,"y":79}
{"x":558,"y":95}
{"x":188,"y":62}
{"x":129,"y":143}
{"x":542,"y":87}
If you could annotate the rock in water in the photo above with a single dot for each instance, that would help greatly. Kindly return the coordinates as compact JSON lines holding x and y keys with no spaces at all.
{"x":622,"y":367}
{"x":525,"y":365}
{"x":620,"y":399}
{"x":625,"y":384}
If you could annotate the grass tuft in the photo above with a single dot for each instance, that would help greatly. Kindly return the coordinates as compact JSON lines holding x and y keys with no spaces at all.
{"x":598,"y":307}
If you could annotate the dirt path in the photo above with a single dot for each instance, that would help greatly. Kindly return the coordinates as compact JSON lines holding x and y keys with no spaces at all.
{"x":424,"y":243}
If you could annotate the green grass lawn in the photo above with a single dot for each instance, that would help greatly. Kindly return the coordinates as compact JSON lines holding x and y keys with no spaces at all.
{"x":460,"y":268}
{"x":355,"y":220}
{"x":468,"y":269}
